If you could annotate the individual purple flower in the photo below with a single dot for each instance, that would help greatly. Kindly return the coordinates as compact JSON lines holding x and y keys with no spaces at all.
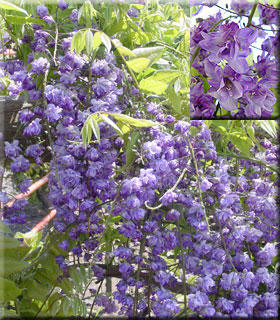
{"x":182,"y":126}
{"x":24,"y":185}
{"x":40,"y":65}
{"x":48,"y":19}
{"x":122,"y":252}
{"x":3,"y":197}
{"x":205,"y":185}
{"x":53,"y":113}
{"x":100,"y":68}
{"x":268,"y":14}
{"x":62,"y":5}
{"x":230,"y":281}
{"x":225,"y":305}
{"x":169,"y":197}
{"x":125,"y":269}
{"x":34,"y":151}
{"x":12,"y":149}
{"x":64,"y":245}
{"x":33,"y":129}
{"x":172,"y":215}
{"x":20,"y":164}
{"x":224,"y":85}
{"x":264,"y":257}
{"x":241,"y":6}
{"x":162,"y":277}
{"x":42,"y":11}
{"x":132,"y":12}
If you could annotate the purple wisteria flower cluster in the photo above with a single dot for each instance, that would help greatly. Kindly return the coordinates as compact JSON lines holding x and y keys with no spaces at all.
{"x":179,"y":220}
{"x":228,"y":81}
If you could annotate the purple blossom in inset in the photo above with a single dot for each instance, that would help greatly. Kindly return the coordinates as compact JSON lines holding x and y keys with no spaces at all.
{"x":268,"y":15}
{"x":74,"y":16}
{"x":224,"y":85}
{"x":241,"y":6}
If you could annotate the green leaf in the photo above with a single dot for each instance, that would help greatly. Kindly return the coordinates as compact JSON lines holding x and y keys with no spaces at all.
{"x":10,"y":6}
{"x":4,"y":228}
{"x":123,"y":127}
{"x":78,"y":42}
{"x":165,"y":76}
{"x":139,"y":64}
{"x":89,"y":41}
{"x":122,"y":50}
{"x":111,"y":123}
{"x":154,"y":86}
{"x":241,"y":141}
{"x":146,"y":52}
{"x":269,"y":126}
{"x":140,"y":123}
{"x":130,"y":154}
{"x":96,"y":40}
{"x":95,"y":128}
{"x":10,"y":265}
{"x":24,"y":20}
{"x":7,"y":242}
{"x":35,"y":290}
{"x":8,"y":290}
{"x":106,"y":41}
{"x":66,"y":306}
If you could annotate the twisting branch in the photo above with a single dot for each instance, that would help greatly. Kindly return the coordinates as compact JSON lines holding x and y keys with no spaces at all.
{"x":171,"y":189}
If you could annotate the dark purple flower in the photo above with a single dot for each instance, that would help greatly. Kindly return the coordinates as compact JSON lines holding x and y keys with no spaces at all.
{"x":62,"y":5}
{"x":12,"y":150}
{"x":42,"y":11}
{"x":33,"y":129}
{"x":24,"y":185}
{"x":40,"y":65}
{"x":20,"y":164}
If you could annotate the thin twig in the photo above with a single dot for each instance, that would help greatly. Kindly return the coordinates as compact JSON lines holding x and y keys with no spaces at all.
{"x":198,"y":183}
{"x":252,"y":14}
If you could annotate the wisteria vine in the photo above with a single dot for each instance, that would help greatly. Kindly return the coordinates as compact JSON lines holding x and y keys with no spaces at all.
{"x":189,"y":231}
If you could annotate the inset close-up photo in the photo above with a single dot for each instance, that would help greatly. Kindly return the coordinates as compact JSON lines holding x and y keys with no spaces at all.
{"x":234,"y":59}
